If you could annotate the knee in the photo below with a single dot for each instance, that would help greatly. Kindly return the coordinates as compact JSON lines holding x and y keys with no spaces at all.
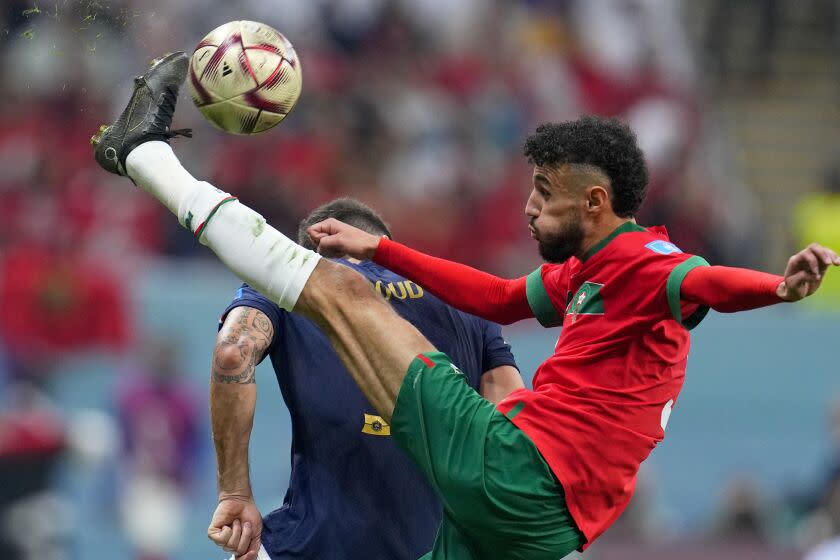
{"x":346,"y":286}
{"x":336,"y":288}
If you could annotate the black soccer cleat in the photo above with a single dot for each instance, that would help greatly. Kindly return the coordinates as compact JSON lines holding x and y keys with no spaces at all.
{"x":148,"y":115}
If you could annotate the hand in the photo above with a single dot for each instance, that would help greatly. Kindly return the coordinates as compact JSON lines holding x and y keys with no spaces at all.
{"x":337,"y":239}
{"x":805,"y":271}
{"x":236,"y":527}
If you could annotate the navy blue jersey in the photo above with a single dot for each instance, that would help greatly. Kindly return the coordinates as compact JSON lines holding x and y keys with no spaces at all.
{"x":353,"y":494}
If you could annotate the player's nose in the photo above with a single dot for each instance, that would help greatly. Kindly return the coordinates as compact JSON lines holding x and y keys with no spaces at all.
{"x":531,"y":209}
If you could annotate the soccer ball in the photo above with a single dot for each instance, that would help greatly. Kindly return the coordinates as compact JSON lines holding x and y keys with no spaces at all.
{"x":244,"y":77}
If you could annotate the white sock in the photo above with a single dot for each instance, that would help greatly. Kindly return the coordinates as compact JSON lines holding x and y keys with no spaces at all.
{"x":259,"y":254}
{"x":156,"y":169}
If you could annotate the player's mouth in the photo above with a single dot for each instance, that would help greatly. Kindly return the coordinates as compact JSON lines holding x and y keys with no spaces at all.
{"x":534,"y":233}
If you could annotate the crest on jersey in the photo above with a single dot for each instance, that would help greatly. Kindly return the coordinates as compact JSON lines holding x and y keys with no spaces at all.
{"x":586,"y":301}
{"x":663,"y":247}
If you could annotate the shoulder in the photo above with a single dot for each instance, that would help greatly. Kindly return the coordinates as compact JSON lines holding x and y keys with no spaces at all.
{"x":649,"y":246}
{"x":246,"y":293}
{"x":251,"y":307}
{"x":650,"y":257}
{"x":651,"y":241}
{"x":247,"y":297}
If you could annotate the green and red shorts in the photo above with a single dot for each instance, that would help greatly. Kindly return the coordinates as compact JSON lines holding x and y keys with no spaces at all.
{"x":500,"y":499}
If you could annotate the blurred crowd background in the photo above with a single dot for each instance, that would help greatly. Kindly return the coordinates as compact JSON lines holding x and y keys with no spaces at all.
{"x":419,"y":108}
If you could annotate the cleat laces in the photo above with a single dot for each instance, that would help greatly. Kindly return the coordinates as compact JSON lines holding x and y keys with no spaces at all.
{"x":163,"y":116}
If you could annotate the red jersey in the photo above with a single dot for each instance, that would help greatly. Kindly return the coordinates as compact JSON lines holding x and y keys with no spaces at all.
{"x":601,"y":402}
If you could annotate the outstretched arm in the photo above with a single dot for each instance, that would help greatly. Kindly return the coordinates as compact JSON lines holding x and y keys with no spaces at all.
{"x":484,"y":295}
{"x":241,"y":344}
{"x":736,"y":289}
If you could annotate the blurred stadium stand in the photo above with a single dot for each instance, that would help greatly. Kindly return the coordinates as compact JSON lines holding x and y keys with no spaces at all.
{"x":420,"y":107}
{"x":778,"y":97}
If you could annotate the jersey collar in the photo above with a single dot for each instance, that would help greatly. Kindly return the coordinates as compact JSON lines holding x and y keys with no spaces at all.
{"x":623,"y":228}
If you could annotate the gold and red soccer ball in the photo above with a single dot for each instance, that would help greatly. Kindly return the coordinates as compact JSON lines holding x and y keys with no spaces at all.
{"x":244,"y":77}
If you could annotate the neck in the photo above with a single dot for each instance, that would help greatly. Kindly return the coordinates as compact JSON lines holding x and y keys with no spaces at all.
{"x":600,"y":232}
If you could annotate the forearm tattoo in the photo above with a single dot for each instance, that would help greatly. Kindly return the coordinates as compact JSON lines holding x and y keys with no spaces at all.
{"x":249,"y":331}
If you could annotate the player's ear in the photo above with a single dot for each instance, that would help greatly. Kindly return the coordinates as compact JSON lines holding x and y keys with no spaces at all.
{"x":597,"y":198}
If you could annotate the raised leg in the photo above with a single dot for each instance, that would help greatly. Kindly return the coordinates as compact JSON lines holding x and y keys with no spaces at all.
{"x":375,"y":344}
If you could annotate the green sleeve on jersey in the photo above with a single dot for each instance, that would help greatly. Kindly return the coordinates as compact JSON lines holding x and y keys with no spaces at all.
{"x":539,"y":301}
{"x":672,"y":289}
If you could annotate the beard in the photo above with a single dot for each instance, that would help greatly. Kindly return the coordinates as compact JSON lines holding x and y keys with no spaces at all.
{"x":559,"y":247}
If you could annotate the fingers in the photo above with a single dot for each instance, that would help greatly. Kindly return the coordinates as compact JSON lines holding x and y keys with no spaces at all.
{"x":237,"y":537}
{"x":233,"y":541}
{"x":805,"y":270}
{"x":220,"y":535}
{"x":324,"y":229}
{"x":330,"y":247}
{"x":802,"y":284}
{"x":248,"y":556}
{"x":253,"y":550}
{"x":244,"y":543}
{"x":329,"y":226}
{"x":810,"y":261}
{"x":315,"y":232}
{"x":827,"y":256}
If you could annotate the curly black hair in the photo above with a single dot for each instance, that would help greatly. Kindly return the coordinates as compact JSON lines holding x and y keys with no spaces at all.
{"x":347,"y":210}
{"x":605,"y":143}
